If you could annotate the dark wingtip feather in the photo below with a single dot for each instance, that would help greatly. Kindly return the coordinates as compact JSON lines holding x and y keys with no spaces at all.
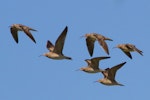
{"x":66,"y":28}
{"x":124,"y":63}
{"x":69,"y":58}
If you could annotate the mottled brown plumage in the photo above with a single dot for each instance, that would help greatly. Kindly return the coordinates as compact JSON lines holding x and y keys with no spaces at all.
{"x":109,"y":75}
{"x":56,"y":50}
{"x":93,"y":65}
{"x":19,"y":27}
{"x":127,"y":48}
{"x":92,"y":37}
{"x":101,"y":40}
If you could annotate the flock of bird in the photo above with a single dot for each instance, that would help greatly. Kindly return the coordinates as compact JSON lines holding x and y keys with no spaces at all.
{"x":55,"y":52}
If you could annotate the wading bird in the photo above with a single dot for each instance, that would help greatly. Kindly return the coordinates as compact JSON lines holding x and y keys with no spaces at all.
{"x":55,"y":51}
{"x":19,"y":27}
{"x":93,"y":65}
{"x":109,"y":75}
{"x":127,"y":48}
{"x":92,"y":37}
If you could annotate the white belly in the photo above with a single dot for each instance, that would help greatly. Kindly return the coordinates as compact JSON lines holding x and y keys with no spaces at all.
{"x":55,"y":56}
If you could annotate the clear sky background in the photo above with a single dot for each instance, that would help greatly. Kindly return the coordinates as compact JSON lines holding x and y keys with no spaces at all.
{"x":26,"y":76}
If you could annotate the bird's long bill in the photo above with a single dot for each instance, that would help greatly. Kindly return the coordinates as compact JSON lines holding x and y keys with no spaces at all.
{"x":77,"y":70}
{"x":82,"y":36}
{"x":115,"y":47}
{"x":95,"y":81}
{"x":41,"y":55}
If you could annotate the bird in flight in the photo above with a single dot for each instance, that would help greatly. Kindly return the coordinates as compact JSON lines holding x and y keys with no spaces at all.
{"x":19,"y":27}
{"x":109,"y":75}
{"x":127,"y":48}
{"x":55,"y":51}
{"x":93,"y":65}
{"x":92,"y":37}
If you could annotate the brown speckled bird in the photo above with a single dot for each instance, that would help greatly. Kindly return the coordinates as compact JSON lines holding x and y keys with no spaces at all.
{"x":92,"y":37}
{"x":109,"y":75}
{"x":19,"y":27}
{"x":56,"y":50}
{"x":93,"y":65}
{"x":127,"y":48}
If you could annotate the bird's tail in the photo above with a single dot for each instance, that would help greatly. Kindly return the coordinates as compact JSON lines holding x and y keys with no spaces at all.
{"x":139,"y":51}
{"x":108,"y":39}
{"x":32,"y":29}
{"x":69,"y":58}
{"x":120,"y":84}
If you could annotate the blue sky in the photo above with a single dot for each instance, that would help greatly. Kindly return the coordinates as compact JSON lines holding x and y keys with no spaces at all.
{"x":26,"y":76}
